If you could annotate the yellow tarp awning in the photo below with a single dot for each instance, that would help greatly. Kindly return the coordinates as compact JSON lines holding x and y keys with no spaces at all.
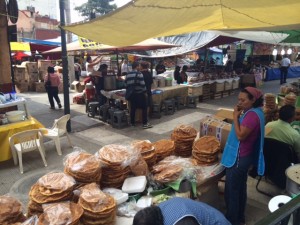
{"x":20,"y":46}
{"x":144,"y":19}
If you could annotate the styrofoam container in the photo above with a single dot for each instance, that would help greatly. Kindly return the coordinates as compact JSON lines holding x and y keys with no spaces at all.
{"x":15,"y":116}
{"x":134,"y":184}
{"x":117,"y":194}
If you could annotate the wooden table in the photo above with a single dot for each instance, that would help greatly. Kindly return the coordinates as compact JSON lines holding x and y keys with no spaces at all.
{"x":170,"y":92}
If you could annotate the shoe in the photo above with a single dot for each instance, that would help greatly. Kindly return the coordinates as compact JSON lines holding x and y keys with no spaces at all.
{"x":146,"y":126}
{"x":52,"y":107}
{"x":59,"y":106}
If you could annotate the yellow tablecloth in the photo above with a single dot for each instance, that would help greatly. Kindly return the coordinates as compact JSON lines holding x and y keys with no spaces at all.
{"x":8,"y":130}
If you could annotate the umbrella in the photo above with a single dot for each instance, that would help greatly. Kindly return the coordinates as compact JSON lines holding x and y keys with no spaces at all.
{"x":149,"y":44}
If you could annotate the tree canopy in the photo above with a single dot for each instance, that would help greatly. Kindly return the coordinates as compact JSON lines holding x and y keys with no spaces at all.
{"x":92,"y":8}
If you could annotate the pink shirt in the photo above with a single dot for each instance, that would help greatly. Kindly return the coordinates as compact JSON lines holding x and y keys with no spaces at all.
{"x":250,"y":121}
{"x":54,"y":79}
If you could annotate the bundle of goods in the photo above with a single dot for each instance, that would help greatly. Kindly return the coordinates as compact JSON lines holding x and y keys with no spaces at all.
{"x":147,"y":151}
{"x":10,"y":210}
{"x":173,"y":168}
{"x":83,"y":167}
{"x":290,"y":99}
{"x":285,"y":89}
{"x":270,"y":107}
{"x":99,"y":208}
{"x":52,"y":187}
{"x":61,"y":213}
{"x":206,"y":150}
{"x":115,"y":161}
{"x":184,"y":137}
{"x":164,"y":148}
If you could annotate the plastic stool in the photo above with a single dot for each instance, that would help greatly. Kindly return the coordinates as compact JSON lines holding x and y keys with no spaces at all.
{"x":119,"y":119}
{"x":92,"y":108}
{"x":103,"y":112}
{"x":179,"y":102}
{"x":110,"y":115}
{"x":191,"y":101}
{"x":156,"y":111}
{"x":169,"y":106}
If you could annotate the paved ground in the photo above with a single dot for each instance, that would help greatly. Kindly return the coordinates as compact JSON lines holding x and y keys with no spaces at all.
{"x":91,"y":134}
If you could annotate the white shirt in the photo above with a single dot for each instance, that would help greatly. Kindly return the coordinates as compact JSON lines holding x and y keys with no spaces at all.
{"x":285,"y":62}
{"x":124,"y":68}
{"x":89,"y":69}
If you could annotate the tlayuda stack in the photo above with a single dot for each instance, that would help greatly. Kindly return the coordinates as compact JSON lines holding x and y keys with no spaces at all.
{"x":290,"y":99}
{"x":10,"y":210}
{"x":206,"y":150}
{"x":115,"y":165}
{"x":61,"y":213}
{"x":52,"y":187}
{"x":164,"y":148}
{"x":83,"y":167}
{"x":184,"y":136}
{"x":99,"y":208}
{"x":147,"y":151}
{"x":270,"y":107}
{"x":172,"y":168}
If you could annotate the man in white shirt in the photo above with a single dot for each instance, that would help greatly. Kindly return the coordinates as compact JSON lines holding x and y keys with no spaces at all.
{"x":285,"y":64}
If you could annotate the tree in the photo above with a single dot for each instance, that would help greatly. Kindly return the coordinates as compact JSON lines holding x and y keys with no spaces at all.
{"x":93,"y":7}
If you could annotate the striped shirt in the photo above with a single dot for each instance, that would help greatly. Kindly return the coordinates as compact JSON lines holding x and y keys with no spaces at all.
{"x":135,"y":78}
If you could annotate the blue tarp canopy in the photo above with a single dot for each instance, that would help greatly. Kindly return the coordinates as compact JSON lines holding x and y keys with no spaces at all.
{"x":41,"y":42}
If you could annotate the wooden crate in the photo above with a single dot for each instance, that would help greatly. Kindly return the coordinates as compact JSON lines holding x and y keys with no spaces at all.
{"x":19,"y":73}
{"x":235,"y":83}
{"x":228,"y":85}
{"x":31,"y":67}
{"x":195,"y":90}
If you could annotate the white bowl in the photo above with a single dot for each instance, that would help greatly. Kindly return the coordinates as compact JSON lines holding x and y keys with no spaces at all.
{"x":15,"y":116}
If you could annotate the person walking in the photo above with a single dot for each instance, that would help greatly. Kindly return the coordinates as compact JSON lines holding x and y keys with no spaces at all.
{"x":244,"y":148}
{"x":284,"y":67}
{"x":52,"y":90}
{"x":135,"y":81}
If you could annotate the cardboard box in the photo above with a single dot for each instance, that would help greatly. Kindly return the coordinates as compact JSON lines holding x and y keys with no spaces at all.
{"x":32,"y":77}
{"x":215,"y":126}
{"x":19,"y":73}
{"x":32,"y":67}
{"x":40,"y":87}
{"x":227,"y":114}
{"x":43,"y":65}
{"x":78,"y":86}
{"x":21,"y":87}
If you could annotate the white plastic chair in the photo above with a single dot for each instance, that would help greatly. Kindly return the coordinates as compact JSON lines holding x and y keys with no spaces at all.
{"x":26,"y":141}
{"x":58,"y":129}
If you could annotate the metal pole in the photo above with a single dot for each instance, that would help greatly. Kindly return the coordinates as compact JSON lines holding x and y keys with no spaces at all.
{"x":64,"y":63}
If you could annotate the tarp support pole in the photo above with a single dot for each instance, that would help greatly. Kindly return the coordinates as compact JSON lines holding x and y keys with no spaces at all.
{"x":64,"y":63}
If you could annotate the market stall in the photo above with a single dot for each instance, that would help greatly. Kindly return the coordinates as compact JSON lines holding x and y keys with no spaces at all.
{"x":19,"y":121}
{"x":273,"y":73}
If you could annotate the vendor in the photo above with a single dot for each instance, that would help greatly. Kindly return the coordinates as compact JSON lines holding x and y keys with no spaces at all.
{"x":89,"y":65}
{"x":180,"y":211}
{"x":160,"y":67}
{"x":281,"y":129}
{"x":99,"y":84}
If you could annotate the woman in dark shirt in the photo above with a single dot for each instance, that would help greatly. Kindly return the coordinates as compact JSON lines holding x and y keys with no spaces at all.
{"x":177,"y":73}
{"x":148,"y":78}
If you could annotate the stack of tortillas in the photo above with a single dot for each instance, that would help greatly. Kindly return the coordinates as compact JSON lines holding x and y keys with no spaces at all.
{"x":290,"y":99}
{"x":99,"y":208}
{"x":147,"y":151}
{"x":171,"y":168}
{"x":52,"y":187}
{"x":10,"y":210}
{"x":206,"y":150}
{"x":184,"y":137}
{"x":84,"y":167}
{"x":164,"y":148}
{"x":61,"y":213}
{"x":115,"y":165}
{"x":270,"y":107}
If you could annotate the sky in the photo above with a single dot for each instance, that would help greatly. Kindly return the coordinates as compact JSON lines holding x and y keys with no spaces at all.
{"x":75,"y":17}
